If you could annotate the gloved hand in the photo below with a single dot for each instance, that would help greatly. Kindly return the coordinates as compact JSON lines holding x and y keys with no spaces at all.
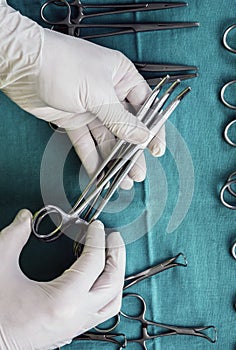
{"x":77,"y":85}
{"x":46,"y":315}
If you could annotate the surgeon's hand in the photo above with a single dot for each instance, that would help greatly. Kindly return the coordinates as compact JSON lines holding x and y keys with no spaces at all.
{"x":46,"y":315}
{"x":77,"y":85}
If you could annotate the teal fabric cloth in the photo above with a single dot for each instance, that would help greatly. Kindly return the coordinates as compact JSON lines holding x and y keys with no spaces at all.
{"x":204,"y":292}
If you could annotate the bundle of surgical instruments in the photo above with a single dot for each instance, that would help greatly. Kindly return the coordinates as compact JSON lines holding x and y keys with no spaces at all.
{"x":112,"y":171}
{"x":121,"y":339}
{"x":228,"y":190}
{"x":73,"y":15}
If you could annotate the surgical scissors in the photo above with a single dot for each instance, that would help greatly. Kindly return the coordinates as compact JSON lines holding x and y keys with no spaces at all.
{"x":125,"y":156}
{"x":72,"y":23}
{"x":170,"y":330}
{"x":232,"y":82}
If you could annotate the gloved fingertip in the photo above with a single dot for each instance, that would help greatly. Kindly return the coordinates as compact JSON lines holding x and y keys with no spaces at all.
{"x":127,"y":184}
{"x":157,"y":150}
{"x":23,"y":215}
{"x":115,"y":240}
{"x":97,"y":224}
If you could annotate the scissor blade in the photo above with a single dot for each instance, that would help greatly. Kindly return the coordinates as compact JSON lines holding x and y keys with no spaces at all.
{"x":172,"y":78}
{"x":135,"y":28}
{"x":152,"y":67}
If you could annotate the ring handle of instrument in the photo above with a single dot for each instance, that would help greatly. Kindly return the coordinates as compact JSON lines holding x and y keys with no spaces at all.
{"x":230,"y":178}
{"x":233,"y":250}
{"x":226,"y":131}
{"x":40,"y":216}
{"x":225,"y":43}
{"x":227,"y":186}
{"x":222,"y":95}
{"x":100,"y":330}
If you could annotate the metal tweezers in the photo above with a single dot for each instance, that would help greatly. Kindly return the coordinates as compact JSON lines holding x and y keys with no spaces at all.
{"x":72,"y":22}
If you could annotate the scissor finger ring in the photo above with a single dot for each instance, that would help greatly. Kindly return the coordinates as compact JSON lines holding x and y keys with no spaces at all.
{"x":222,"y":94}
{"x":225,"y":43}
{"x":233,"y":250}
{"x":226,"y":133}
{"x":230,"y":178}
{"x":227,"y":186}
{"x":107,"y":330}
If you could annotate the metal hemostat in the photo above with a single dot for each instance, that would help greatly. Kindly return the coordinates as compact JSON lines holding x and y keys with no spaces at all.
{"x":164,"y":330}
{"x":74,"y":14}
{"x":122,"y":158}
{"x":178,"y":260}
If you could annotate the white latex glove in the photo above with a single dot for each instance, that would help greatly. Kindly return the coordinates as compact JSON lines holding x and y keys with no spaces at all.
{"x":46,"y":315}
{"x":77,"y":85}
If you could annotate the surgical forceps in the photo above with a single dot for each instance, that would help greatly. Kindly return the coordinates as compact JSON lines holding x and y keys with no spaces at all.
{"x":130,"y":281}
{"x":138,"y":277}
{"x":125,"y":156}
{"x":170,"y":330}
{"x":72,"y":23}
{"x":154,"y":270}
{"x":232,"y":82}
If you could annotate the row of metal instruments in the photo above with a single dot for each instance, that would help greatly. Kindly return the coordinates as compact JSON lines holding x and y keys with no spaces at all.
{"x":228,"y":191}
